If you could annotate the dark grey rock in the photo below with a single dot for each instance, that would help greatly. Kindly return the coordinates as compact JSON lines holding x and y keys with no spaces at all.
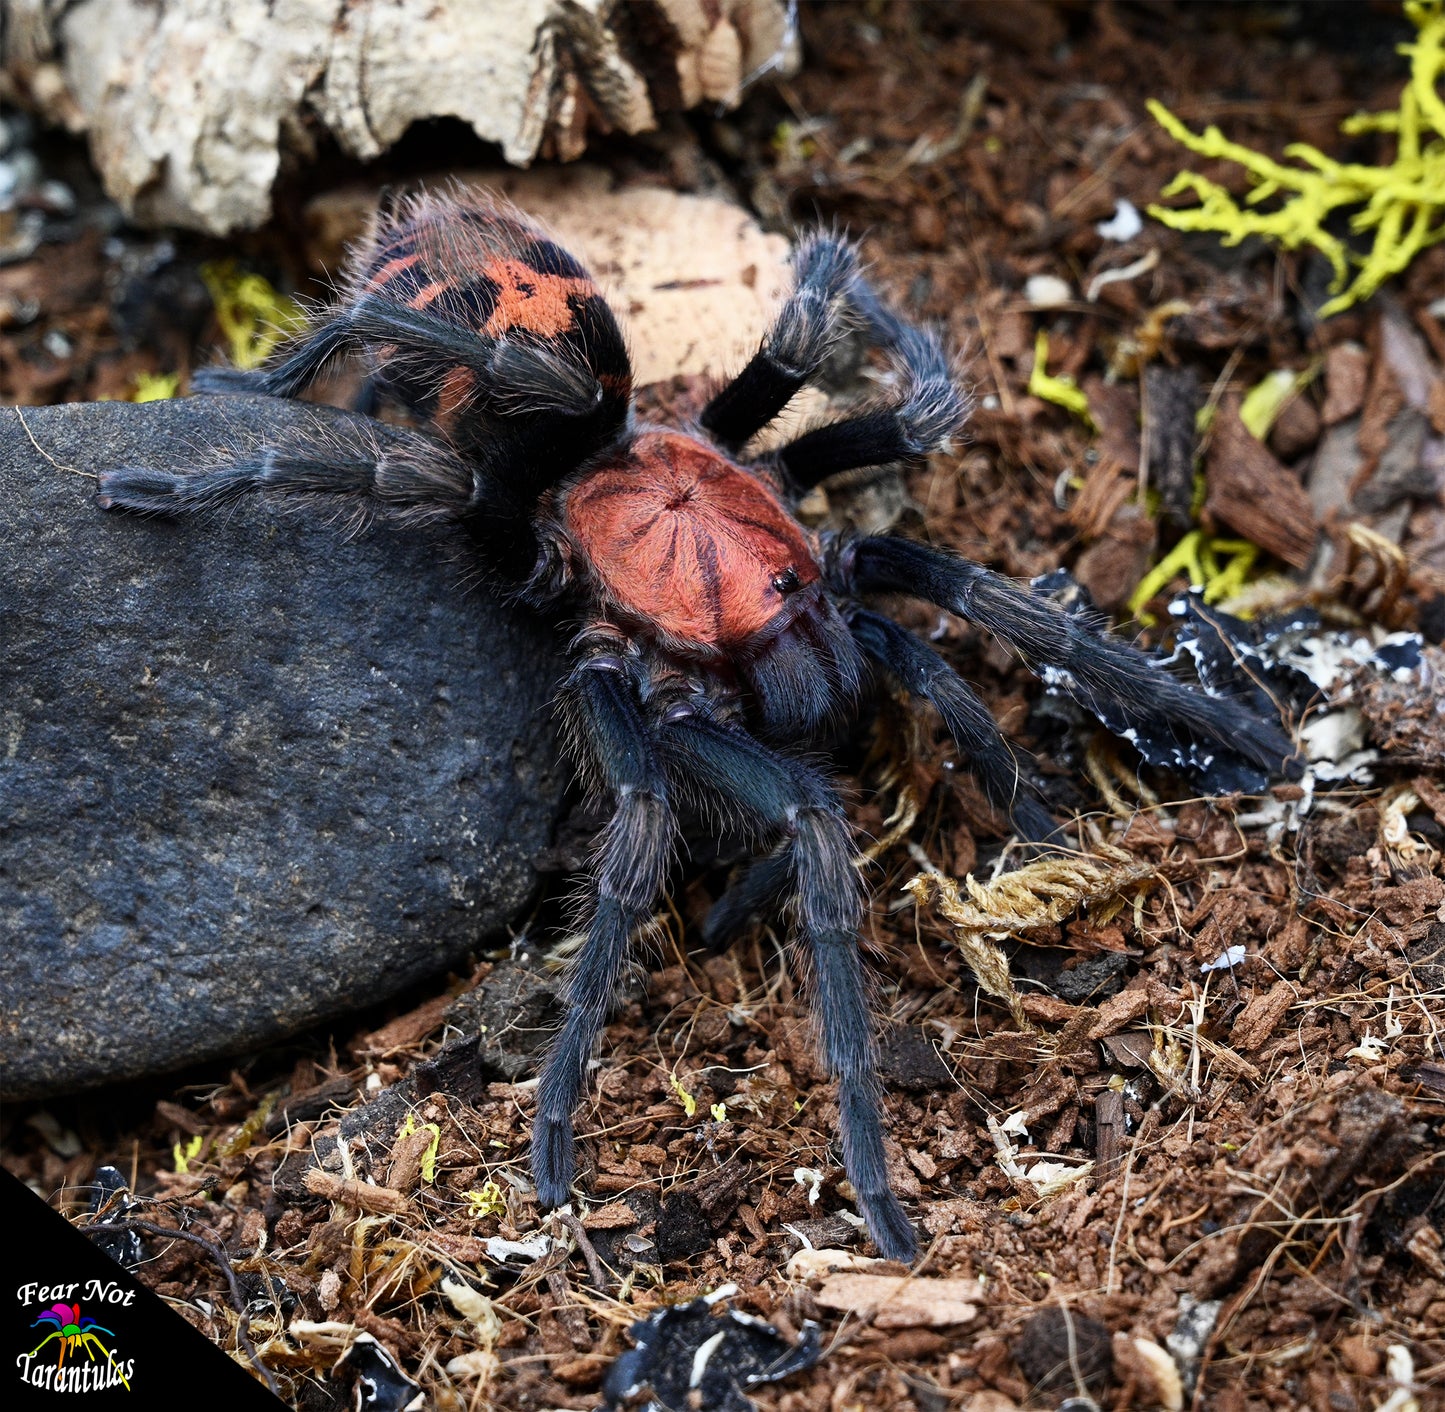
{"x":252,"y":774}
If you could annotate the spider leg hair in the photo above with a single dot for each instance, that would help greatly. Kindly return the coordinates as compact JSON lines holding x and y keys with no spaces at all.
{"x":1105,"y":675}
{"x":378,"y":470}
{"x":291,"y":374}
{"x":757,"y":892}
{"x":929,"y":410}
{"x":603,"y":714}
{"x":777,"y":794}
{"x":517,"y":375}
{"x":922,"y":672}
{"x":808,"y":676}
{"x":812,"y":320}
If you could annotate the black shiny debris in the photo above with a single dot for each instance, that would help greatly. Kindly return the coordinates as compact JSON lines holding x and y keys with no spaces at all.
{"x":110,"y":1200}
{"x":381,"y":1386}
{"x":1212,"y":769}
{"x":688,"y":1357}
{"x":1288,"y":661}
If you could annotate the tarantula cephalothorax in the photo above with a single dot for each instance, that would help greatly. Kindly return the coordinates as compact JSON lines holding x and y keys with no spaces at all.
{"x":716,"y":636}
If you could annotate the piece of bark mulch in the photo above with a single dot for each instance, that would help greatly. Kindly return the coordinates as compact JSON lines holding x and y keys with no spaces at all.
{"x":901,"y":1302}
{"x":1260,"y":1018}
{"x":1171,"y":409}
{"x":1256,"y":496}
{"x":1347,"y":372}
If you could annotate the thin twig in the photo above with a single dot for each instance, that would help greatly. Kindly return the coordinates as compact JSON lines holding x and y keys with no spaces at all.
{"x":589,"y":1251}
{"x":74,"y":470}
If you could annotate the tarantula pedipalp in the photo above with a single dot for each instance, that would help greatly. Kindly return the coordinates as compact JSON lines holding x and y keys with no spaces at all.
{"x":713,"y":636}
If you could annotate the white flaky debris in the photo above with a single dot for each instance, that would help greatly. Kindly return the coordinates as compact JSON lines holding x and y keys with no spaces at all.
{"x":810,"y":1264}
{"x":191,"y":105}
{"x":1233,"y":956}
{"x":532,"y":1248}
{"x":1334,"y":744}
{"x":1047,"y":291}
{"x":1124,"y":224}
{"x":812,"y":1179}
{"x":1400,"y":1370}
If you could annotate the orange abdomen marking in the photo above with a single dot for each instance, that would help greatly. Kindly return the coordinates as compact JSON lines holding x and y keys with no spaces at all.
{"x":533,"y":301}
{"x":682,"y":539}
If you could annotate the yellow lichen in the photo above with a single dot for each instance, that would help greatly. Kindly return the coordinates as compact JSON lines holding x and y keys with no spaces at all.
{"x":155,"y":387}
{"x":429,"y":1157}
{"x":254,"y":317}
{"x":689,"y":1103}
{"x":490,"y":1200}
{"x":1218,"y":566}
{"x":1062,"y":391}
{"x":1403,"y":203}
{"x":1271,"y":395}
{"x":184,"y":1156}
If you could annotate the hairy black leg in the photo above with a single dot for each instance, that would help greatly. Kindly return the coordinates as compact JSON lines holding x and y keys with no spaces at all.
{"x":601,"y":708}
{"x":1107,"y":676}
{"x":295,"y":372}
{"x":514,"y":374}
{"x":929,"y":409}
{"x":805,"y":330}
{"x":368,"y":398}
{"x":922,"y":672}
{"x":351,"y":459}
{"x":757,"y":892}
{"x":781,"y":795}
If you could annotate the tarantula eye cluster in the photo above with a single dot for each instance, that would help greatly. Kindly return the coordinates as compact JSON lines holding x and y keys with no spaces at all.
{"x":720,"y":636}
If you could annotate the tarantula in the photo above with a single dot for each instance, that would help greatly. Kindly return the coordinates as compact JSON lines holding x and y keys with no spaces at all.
{"x":714,"y":637}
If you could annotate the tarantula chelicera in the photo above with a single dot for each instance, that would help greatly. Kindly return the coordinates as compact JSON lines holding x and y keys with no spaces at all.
{"x":714,"y":636}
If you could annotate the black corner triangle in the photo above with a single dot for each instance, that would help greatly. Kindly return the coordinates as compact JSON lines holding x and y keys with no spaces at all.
{"x":129,"y":1349}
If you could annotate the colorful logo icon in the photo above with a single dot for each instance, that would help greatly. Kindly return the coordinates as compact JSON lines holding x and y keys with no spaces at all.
{"x":74,"y":1332}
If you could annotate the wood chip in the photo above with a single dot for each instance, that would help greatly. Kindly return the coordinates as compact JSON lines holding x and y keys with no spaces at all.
{"x":465,"y":1249}
{"x":1258,"y":1020}
{"x":310,"y":1103}
{"x":1049,"y":1009}
{"x":1130,"y":1051}
{"x":403,"y":1171}
{"x":1256,"y":496}
{"x":1347,"y":368}
{"x":902,"y":1303}
{"x":610,"y":1217}
{"x":380,"y":1200}
{"x":1108,"y":1133}
{"x":183,"y":1118}
{"x":1171,"y":409}
{"x":1115,"y":407}
{"x":1113,"y":564}
{"x":580,"y":1372}
{"x":1428,"y":1075}
{"x":406,"y":1030}
{"x":1117,"y":1011}
{"x":911,"y":1343}
{"x":1432,"y":797}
